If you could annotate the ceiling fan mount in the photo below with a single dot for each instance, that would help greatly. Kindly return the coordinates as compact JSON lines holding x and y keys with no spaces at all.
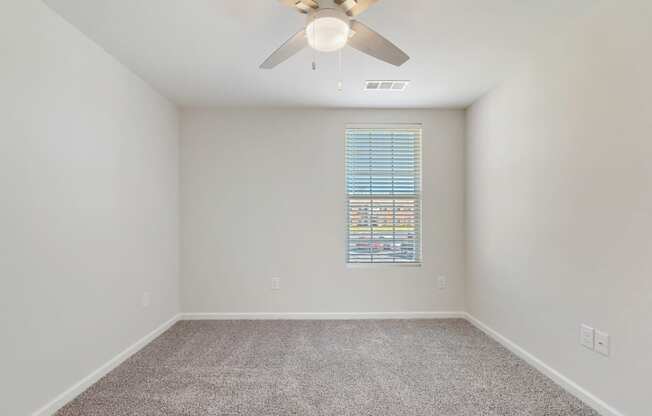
{"x":329,"y":27}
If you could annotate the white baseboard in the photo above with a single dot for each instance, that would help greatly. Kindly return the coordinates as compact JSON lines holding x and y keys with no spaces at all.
{"x":75,"y":390}
{"x":321,"y":315}
{"x":567,"y":384}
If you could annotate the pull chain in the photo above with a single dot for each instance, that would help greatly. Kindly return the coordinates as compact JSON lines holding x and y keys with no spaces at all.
{"x":314,"y":52}
{"x":340,"y":84}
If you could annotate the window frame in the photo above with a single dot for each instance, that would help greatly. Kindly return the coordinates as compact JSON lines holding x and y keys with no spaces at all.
{"x":420,"y":196}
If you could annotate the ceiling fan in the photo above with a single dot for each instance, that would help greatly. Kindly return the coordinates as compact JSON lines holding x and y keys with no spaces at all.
{"x":330,"y":27}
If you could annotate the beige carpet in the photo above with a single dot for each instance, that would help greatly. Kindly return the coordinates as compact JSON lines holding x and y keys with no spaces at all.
{"x":334,"y":368}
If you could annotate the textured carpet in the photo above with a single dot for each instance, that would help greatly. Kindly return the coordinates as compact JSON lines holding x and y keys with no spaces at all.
{"x":374,"y":368}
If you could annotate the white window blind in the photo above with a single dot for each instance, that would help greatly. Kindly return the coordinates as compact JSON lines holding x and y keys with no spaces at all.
{"x":383,"y":184}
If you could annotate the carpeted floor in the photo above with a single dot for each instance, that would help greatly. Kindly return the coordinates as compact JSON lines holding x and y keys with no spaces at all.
{"x":371,"y":368}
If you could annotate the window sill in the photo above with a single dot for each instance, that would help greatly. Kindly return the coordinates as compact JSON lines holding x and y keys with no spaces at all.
{"x":380,"y":265}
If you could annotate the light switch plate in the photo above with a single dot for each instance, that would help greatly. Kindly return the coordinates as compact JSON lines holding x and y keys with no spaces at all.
{"x":602,"y":343}
{"x":587,"y":336}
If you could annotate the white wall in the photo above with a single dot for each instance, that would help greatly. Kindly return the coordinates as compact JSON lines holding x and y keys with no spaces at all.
{"x":88,"y":218}
{"x":262,"y":195}
{"x":560,"y":207}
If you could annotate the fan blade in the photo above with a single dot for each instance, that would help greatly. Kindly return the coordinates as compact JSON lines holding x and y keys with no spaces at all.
{"x":302,"y":6}
{"x":288,"y":49}
{"x":355,"y":7}
{"x":367,"y":41}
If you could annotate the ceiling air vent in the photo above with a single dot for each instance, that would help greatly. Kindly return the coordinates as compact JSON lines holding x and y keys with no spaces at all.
{"x":385,"y":85}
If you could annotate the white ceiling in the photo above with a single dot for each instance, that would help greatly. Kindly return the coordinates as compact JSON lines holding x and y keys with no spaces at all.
{"x":207,"y":52}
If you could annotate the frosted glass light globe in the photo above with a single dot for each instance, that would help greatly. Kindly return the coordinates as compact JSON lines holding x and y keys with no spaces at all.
{"x":328,"y":30}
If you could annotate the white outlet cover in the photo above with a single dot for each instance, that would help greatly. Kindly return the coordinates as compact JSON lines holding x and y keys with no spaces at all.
{"x":146,"y":299}
{"x":276,"y":283}
{"x":587,"y":336}
{"x":441,"y":282}
{"x":602,"y":343}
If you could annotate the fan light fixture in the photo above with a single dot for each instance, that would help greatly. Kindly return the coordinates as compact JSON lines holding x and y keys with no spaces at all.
{"x":330,"y":26}
{"x":328,"y":30}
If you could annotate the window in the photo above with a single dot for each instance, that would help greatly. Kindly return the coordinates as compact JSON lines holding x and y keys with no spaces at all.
{"x":383,"y":185}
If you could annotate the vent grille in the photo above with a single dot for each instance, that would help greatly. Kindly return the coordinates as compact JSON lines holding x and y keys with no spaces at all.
{"x":385,"y":85}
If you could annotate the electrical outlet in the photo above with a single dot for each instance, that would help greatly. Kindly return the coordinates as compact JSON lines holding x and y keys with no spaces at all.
{"x":587,"y":336}
{"x":276,"y":283}
{"x":441,"y":282}
{"x":145,"y":299}
{"x":602,"y":343}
